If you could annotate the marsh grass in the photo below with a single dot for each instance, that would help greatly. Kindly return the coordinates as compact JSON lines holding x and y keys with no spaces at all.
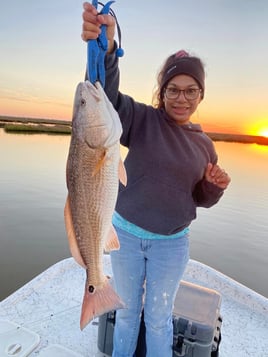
{"x":39,"y":128}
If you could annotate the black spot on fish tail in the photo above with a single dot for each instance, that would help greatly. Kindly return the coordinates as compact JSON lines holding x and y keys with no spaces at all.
{"x":91,"y":289}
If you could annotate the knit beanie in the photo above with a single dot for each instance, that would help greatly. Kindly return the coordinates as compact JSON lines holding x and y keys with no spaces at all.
{"x":184,"y":64}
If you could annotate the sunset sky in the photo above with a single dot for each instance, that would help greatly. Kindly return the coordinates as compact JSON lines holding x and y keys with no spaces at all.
{"x":43,"y":57}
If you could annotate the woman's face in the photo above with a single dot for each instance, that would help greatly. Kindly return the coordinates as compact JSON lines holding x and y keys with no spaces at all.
{"x":181,"y":98}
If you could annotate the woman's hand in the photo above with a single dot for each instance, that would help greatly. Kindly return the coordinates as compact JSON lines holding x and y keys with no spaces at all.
{"x":92,"y":23}
{"x":217,"y":176}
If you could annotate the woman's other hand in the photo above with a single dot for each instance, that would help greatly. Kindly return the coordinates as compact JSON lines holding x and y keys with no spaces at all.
{"x":216,"y":175}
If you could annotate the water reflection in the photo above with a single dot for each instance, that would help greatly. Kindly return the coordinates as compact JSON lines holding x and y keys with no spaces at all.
{"x":32,"y":192}
{"x":232,"y":236}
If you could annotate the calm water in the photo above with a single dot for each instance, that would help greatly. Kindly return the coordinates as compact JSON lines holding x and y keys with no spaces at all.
{"x":231,"y":237}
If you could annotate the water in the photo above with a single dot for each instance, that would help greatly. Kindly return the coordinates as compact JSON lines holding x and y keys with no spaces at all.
{"x":231,"y":236}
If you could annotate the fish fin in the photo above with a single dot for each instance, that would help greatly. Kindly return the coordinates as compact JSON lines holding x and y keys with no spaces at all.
{"x":122,"y":172}
{"x":112,"y":242}
{"x":74,"y":249}
{"x":100,"y":163}
{"x":101,"y":301}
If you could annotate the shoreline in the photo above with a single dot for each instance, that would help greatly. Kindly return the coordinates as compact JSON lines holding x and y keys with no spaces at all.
{"x":35,"y":125}
{"x":64,"y":127}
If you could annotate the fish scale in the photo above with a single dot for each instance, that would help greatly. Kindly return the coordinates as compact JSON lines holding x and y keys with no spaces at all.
{"x":86,"y":208}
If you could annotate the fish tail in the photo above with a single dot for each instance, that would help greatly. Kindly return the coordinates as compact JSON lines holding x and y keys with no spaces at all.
{"x":99,"y":302}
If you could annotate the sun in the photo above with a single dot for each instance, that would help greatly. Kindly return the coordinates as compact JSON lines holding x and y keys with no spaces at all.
{"x":259,"y":127}
{"x":263,"y":132}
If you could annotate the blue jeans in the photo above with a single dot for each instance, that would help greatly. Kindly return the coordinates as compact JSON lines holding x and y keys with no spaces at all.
{"x":146,"y":274}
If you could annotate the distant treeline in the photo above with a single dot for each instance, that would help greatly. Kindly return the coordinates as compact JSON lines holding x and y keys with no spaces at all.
{"x":9,"y":119}
{"x":239,"y":138}
{"x":56,"y":126}
{"x":35,"y":125}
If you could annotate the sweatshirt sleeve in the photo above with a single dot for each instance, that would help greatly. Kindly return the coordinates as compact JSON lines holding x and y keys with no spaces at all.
{"x":112,"y":77}
{"x":206,"y":194}
{"x":131,"y":113}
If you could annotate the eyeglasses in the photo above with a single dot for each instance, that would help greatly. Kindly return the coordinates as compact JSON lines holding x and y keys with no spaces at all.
{"x":189,"y":93}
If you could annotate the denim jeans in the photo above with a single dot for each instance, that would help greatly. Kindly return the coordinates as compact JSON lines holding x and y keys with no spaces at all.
{"x":146,"y":274}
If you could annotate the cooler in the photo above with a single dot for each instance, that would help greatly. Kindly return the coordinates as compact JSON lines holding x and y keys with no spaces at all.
{"x":196,"y":321}
{"x":106,"y":332}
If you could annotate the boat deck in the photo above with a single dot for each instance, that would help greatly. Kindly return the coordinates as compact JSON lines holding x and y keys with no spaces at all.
{"x":50,"y":304}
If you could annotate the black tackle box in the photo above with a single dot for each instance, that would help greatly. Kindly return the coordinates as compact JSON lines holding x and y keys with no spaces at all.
{"x":196,"y":324}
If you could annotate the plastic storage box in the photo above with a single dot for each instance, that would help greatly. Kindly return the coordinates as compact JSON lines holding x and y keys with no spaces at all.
{"x":106,"y":332}
{"x":196,"y":324}
{"x":196,"y":321}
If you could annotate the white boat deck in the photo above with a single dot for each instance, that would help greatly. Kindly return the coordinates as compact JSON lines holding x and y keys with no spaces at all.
{"x":49,"y":306}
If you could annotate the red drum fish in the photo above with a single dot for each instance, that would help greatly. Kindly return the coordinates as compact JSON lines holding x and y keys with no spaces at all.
{"x":93,"y":171}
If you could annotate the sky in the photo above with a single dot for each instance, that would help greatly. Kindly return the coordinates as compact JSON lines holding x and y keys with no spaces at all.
{"x":43,"y":57}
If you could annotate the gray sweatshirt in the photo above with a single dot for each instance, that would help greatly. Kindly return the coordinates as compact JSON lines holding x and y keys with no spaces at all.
{"x":165,"y":164}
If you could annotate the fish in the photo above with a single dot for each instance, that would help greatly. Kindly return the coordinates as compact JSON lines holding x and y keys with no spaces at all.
{"x":93,"y":170}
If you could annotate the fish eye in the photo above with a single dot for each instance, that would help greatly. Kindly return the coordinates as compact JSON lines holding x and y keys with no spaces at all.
{"x":83,"y":102}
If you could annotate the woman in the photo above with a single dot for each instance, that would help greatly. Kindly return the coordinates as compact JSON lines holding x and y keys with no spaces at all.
{"x":172,"y":169}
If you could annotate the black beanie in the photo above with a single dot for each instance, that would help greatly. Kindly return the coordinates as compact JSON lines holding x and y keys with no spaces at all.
{"x":191,"y":66}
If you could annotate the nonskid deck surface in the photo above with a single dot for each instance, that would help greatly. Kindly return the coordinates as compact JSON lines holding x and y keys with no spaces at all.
{"x":50,"y":304}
